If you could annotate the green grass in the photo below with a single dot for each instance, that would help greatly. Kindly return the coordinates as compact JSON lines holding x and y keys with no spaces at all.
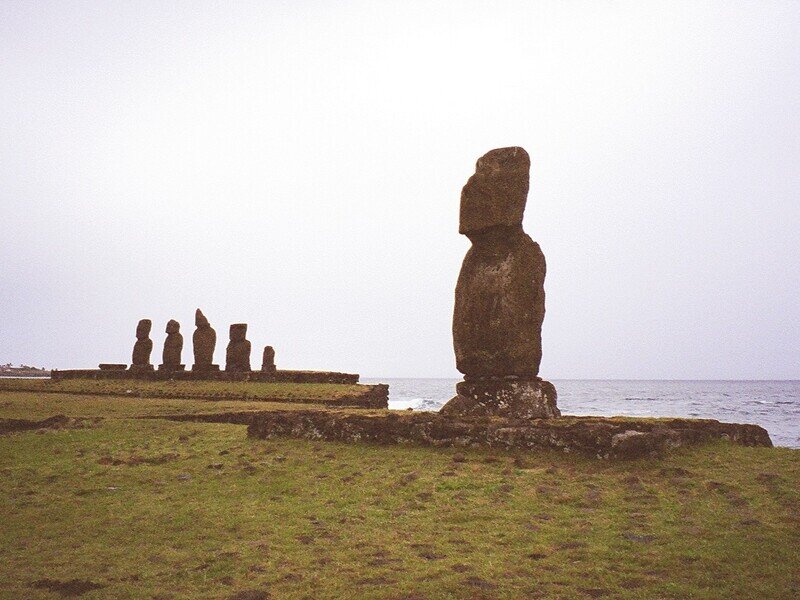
{"x":157,"y":509}
{"x":254,"y":390}
{"x":28,"y":405}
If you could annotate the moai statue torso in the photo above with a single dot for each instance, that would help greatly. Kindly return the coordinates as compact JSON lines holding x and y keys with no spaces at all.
{"x":173,"y":346}
{"x":268,"y":361}
{"x":143,"y":346}
{"x":204,"y":341}
{"x":499,"y":300}
{"x":237,"y":356}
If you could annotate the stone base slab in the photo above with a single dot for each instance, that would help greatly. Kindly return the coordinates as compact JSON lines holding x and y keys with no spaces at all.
{"x":598,"y":437}
{"x":514,"y":398}
{"x":172,"y":368}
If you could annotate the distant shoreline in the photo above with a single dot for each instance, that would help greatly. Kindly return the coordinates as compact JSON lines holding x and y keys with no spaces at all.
{"x":23,"y":372}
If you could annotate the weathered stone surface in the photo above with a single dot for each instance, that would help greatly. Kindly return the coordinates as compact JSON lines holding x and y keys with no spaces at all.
{"x":522,"y":399}
{"x":204,"y":341}
{"x":214,"y":374}
{"x":597,"y":437}
{"x":497,"y":192}
{"x":499,"y":299}
{"x":268,"y":361}
{"x":143,"y":346}
{"x":499,"y":306}
{"x":237,"y":356}
{"x":113,"y":366}
{"x":173,"y":346}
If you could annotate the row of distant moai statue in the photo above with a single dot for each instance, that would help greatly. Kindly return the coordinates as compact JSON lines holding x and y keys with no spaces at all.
{"x":204,"y":340}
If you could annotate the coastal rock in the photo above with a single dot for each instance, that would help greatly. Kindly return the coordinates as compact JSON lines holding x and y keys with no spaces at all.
{"x":204,"y":341}
{"x":237,"y":356}
{"x":140,"y":360}
{"x":173,"y":346}
{"x":499,"y":298}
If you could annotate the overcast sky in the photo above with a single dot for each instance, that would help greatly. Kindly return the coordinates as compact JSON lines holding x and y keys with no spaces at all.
{"x":297,"y":166}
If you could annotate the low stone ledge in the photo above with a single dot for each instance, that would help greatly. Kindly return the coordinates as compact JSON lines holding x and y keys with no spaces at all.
{"x":600,"y":437}
{"x":278,"y":376}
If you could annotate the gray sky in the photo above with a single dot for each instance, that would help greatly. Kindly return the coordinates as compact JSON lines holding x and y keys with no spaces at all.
{"x":297,"y":166}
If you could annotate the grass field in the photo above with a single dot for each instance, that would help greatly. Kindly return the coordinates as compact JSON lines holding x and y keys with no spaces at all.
{"x":130,"y":508}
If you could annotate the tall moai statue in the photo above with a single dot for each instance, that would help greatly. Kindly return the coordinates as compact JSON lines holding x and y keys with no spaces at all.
{"x":204,"y":341}
{"x":268,"y":360}
{"x":499,"y":300}
{"x":173,"y":346}
{"x":237,"y":356}
{"x":140,"y":361}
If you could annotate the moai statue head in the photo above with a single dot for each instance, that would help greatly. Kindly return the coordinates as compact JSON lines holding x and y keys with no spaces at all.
{"x":173,"y":326}
{"x":238,"y":332}
{"x":496,"y":194}
{"x":200,"y":319}
{"x":143,"y":329}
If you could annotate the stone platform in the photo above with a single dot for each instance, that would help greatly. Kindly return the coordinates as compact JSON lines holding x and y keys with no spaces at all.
{"x":596,"y":437}
{"x":281,"y":375}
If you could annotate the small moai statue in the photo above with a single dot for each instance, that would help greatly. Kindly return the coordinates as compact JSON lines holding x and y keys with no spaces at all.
{"x":140,"y":361}
{"x":173,"y":346}
{"x":237,"y":357}
{"x":268,"y":362}
{"x":204,"y":341}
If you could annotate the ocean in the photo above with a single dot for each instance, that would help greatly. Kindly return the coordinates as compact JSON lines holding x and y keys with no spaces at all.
{"x":775,"y":405}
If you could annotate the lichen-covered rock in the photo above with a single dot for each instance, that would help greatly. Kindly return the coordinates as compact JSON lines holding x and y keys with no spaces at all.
{"x":598,"y":437}
{"x":521,"y":399}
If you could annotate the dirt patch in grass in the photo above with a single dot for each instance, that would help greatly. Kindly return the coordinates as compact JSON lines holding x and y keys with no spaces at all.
{"x":54,"y":422}
{"x":68,"y":589}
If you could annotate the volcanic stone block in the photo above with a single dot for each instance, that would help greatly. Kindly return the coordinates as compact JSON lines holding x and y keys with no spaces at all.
{"x":112,"y":366}
{"x":499,"y":305}
{"x":268,"y":361}
{"x":497,"y":192}
{"x":519,"y":399}
{"x":173,"y":346}
{"x":140,"y":360}
{"x":204,"y":341}
{"x":237,"y":356}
